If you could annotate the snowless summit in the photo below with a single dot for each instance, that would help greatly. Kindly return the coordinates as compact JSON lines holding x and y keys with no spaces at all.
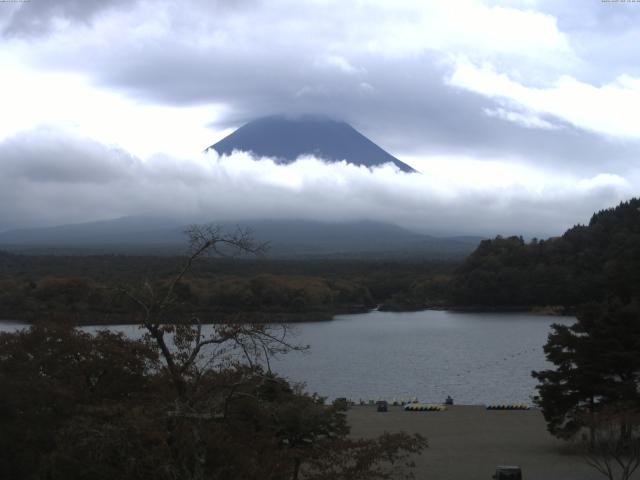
{"x":286,"y":138}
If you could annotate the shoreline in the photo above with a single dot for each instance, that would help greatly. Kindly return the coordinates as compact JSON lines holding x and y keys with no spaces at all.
{"x":543,"y":310}
{"x":546,"y":310}
{"x":321,"y":316}
{"x":257,"y":317}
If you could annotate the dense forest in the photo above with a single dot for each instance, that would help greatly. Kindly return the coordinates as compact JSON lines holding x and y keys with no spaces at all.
{"x":87,"y":288}
{"x":588,"y":263}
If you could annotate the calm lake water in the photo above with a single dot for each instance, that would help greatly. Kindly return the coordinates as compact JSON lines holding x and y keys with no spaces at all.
{"x":474,"y":357}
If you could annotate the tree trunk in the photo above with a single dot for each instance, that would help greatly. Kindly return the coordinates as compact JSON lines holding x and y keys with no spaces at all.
{"x":296,"y":468}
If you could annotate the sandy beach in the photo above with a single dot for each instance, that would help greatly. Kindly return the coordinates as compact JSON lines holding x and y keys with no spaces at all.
{"x":467,"y":442}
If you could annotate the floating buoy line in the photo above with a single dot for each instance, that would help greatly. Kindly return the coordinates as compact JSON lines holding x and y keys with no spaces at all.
{"x":499,"y":362}
{"x":413,"y":405}
{"x":424,"y":407}
{"x":508,"y":406}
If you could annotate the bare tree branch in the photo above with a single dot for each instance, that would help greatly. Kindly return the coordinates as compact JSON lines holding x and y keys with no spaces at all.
{"x":158,"y":302}
{"x":614,"y":448}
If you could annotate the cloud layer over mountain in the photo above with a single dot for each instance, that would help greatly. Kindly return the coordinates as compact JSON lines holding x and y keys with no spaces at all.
{"x":523,"y":115}
{"x":530,"y":79}
{"x":49,"y":177}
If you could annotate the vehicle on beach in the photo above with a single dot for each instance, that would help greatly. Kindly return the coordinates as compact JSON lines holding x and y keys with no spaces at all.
{"x":504,"y":472}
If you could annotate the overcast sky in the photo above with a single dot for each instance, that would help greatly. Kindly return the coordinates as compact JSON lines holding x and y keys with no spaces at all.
{"x":523,"y":116}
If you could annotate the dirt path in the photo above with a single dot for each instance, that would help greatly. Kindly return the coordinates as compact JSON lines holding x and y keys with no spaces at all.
{"x":467,"y":442}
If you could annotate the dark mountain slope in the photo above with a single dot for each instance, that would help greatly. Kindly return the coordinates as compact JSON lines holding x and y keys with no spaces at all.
{"x":137,"y":230}
{"x":286,"y":237}
{"x":286,"y":138}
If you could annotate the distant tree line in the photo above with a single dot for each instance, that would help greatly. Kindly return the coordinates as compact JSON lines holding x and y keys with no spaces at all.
{"x":89,"y":301}
{"x":587,"y":263}
{"x":85,"y":288}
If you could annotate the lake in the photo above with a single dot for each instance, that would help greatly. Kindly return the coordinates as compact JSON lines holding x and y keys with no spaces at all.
{"x":477,"y":358}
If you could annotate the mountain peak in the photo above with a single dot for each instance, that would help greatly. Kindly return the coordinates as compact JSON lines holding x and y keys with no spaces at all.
{"x":288,"y":137}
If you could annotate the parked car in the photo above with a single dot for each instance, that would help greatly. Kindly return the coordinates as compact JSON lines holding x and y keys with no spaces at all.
{"x":507,"y":472}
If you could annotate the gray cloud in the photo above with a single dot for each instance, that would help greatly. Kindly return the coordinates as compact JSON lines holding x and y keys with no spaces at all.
{"x":403,"y":104}
{"x":111,"y":184}
{"x":253,"y":62}
{"x":32,"y":18}
{"x":602,"y":33}
{"x":368,"y":65}
{"x":49,"y":156}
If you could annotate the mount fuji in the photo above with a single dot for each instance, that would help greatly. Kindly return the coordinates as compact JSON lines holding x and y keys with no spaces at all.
{"x":286,"y":138}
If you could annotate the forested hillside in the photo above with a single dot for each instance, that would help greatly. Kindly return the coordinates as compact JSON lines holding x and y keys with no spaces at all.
{"x":86,"y":288}
{"x":587,"y":263}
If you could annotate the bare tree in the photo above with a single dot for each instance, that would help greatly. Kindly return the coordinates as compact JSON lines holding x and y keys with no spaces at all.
{"x":190,"y":354}
{"x":184,"y":346}
{"x":613,"y":448}
{"x":211,"y":366}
